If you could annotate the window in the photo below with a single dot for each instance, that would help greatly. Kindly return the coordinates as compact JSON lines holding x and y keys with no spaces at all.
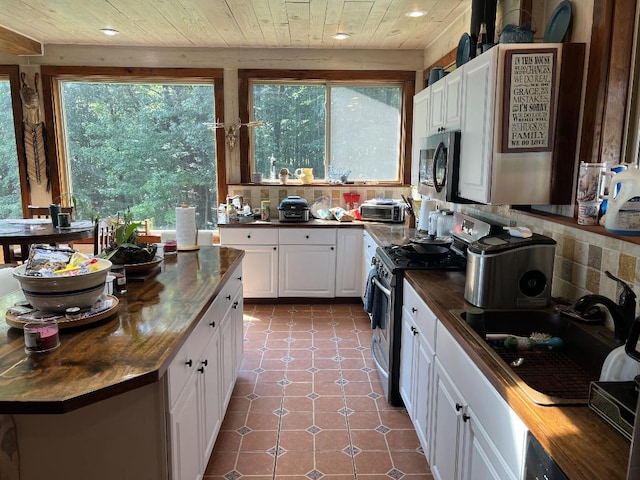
{"x":141,"y":145}
{"x":332,"y":124}
{"x":10,"y":194}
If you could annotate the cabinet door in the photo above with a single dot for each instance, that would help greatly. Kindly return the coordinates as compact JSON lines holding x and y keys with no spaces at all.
{"x":476,"y":147}
{"x":420,"y":130}
{"x":186,"y":433}
{"x":407,"y":361}
{"x":437,"y":106}
{"x":452,"y":112}
{"x":260,"y":265}
{"x":447,"y":410}
{"x":368,"y":252}
{"x":349,"y":263}
{"x":306,"y":270}
{"x":210,"y":375}
{"x":423,"y":376}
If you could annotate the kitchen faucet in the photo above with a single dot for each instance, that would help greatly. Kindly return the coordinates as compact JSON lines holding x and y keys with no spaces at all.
{"x":622,"y":312}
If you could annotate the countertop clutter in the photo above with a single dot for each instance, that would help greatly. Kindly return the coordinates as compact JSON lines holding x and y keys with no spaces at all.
{"x":582,"y":443}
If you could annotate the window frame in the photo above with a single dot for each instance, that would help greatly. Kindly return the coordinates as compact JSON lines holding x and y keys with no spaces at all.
{"x":406,"y":78}
{"x":12,"y":72}
{"x":53,"y":75}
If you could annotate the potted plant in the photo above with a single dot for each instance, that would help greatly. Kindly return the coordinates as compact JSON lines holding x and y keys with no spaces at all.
{"x":124,"y":247}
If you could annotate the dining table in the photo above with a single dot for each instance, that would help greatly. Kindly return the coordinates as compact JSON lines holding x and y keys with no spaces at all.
{"x":29,"y":231}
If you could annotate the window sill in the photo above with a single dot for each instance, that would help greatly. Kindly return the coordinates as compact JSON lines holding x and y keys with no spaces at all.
{"x":295,"y":183}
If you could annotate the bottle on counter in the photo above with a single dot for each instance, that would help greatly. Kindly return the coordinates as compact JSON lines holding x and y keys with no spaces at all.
{"x":482,"y":38}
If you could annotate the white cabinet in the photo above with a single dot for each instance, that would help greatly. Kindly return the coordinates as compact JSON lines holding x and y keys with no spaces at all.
{"x":420,"y":130}
{"x":200,"y":380}
{"x":298,"y":262}
{"x":514,"y":148}
{"x":260,"y":261}
{"x":475,"y":434}
{"x":479,"y":79}
{"x":368,"y":252}
{"x":416,"y":362}
{"x":445,"y":106}
{"x":349,"y":263}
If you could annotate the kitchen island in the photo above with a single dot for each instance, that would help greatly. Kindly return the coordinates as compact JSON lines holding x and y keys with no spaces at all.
{"x":102,"y":404}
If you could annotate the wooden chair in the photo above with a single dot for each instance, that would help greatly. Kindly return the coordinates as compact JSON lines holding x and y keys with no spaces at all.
{"x":102,"y":236}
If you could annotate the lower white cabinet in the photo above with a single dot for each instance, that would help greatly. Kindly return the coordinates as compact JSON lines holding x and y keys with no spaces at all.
{"x":260,"y":261}
{"x":349,"y":262}
{"x":299,"y":261}
{"x":416,"y":362}
{"x":368,"y":252}
{"x":200,"y":380}
{"x":475,"y":434}
{"x":307,"y":271}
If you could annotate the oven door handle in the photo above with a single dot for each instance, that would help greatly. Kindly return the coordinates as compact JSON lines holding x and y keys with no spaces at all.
{"x":382,"y":288}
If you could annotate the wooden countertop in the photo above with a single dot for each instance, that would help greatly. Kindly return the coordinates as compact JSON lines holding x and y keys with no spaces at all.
{"x":582,"y":444}
{"x":126,"y":351}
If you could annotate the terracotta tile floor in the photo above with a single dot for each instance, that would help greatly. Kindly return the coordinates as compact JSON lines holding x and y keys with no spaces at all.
{"x":308,"y":404}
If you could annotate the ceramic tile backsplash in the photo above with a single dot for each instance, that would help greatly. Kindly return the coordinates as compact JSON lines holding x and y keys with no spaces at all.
{"x":276,"y":193}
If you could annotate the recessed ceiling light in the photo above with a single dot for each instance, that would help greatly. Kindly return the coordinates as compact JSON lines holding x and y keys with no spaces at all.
{"x":416,"y":13}
{"x":341,"y":36}
{"x":109,"y":31}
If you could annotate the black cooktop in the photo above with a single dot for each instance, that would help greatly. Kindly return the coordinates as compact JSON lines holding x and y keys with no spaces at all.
{"x":421,"y":257}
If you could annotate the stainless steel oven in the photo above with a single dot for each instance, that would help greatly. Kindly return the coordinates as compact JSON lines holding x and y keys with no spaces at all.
{"x":388,"y":268}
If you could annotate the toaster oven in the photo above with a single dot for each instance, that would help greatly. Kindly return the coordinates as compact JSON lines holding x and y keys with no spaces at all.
{"x":392,"y":211}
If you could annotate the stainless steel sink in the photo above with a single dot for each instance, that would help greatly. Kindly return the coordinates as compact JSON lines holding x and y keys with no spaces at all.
{"x":548,"y":377}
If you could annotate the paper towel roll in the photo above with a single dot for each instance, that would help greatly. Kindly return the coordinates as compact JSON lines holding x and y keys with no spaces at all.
{"x":186,"y":229}
{"x":423,"y":216}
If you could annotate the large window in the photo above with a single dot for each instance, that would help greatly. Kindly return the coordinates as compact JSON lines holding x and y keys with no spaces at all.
{"x":10,"y":196}
{"x":333,"y":122}
{"x":139,"y":145}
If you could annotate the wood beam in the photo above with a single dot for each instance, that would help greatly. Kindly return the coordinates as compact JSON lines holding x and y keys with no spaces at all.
{"x":17,"y":44}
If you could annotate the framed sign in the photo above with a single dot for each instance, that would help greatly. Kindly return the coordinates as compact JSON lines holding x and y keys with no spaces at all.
{"x":529,"y":100}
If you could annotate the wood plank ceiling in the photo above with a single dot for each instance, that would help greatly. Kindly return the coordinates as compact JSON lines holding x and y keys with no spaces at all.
{"x":371,"y":24}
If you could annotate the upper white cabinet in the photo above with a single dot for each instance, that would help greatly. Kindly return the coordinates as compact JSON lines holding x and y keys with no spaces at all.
{"x":516,"y":106}
{"x":519,"y":128}
{"x":446,"y":103}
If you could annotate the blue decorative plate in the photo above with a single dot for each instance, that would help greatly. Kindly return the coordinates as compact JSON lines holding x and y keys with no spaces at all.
{"x":465,"y":50}
{"x":559,"y":23}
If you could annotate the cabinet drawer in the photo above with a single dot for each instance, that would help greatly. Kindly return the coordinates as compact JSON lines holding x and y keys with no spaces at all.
{"x":501,"y":424}
{"x":422,"y":315}
{"x":307,"y":236}
{"x":248,"y":236}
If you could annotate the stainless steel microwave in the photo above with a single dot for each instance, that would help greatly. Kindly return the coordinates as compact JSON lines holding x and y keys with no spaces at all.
{"x":439,"y":167}
{"x":382,"y":212}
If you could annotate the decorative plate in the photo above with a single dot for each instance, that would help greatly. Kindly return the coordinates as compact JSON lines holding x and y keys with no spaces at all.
{"x":100,"y":311}
{"x":142,"y":267}
{"x":559,"y":23}
{"x":465,"y":51}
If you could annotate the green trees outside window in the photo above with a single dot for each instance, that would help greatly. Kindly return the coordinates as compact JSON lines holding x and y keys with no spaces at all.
{"x":141,"y":146}
{"x":329,"y":127}
{"x":10,"y":201}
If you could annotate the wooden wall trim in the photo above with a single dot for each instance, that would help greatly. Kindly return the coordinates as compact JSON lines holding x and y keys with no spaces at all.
{"x":221,"y":162}
{"x":608,"y":81}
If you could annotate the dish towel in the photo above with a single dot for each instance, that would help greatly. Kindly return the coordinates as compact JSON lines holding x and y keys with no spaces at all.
{"x":374,"y":301}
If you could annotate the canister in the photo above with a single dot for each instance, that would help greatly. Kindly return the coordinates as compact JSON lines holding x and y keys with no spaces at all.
{"x":265,"y":210}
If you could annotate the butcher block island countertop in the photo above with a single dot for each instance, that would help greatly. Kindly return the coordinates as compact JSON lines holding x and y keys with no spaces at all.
{"x":127,"y":351}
